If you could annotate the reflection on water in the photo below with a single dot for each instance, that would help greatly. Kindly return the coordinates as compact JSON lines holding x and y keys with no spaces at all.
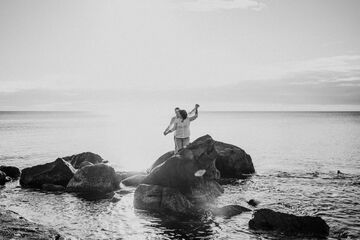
{"x":296,"y":156}
{"x":327,"y":195}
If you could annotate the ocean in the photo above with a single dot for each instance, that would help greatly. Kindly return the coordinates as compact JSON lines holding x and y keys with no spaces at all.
{"x":296,"y":155}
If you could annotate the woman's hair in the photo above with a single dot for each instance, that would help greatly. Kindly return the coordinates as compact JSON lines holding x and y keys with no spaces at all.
{"x":183,"y":114}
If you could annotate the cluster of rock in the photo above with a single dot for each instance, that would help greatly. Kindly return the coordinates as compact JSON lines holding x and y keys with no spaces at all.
{"x":85,"y":173}
{"x":186,"y":183}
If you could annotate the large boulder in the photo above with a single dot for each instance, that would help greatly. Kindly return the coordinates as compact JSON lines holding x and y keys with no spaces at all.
{"x":289,"y":224}
{"x":203,"y":191}
{"x":134,"y":181}
{"x":230,"y":160}
{"x":58,"y":172}
{"x":77,"y":160}
{"x":99,"y":178}
{"x":180,"y":171}
{"x":2,"y":178}
{"x":11,"y":171}
{"x":161,"y":199}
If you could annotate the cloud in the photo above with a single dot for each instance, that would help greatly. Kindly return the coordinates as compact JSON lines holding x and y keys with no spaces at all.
{"x":213,"y":5}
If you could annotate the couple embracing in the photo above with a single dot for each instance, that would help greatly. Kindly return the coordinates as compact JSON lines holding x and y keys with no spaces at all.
{"x":180,"y":124}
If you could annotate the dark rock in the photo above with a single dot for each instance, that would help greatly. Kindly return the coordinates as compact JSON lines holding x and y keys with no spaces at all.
{"x":77,"y":159}
{"x":289,"y":224}
{"x":2,"y":178}
{"x":52,"y":187}
{"x":162,"y":159}
{"x":229,"y":210}
{"x":85,"y":163}
{"x":133,"y":181}
{"x":228,"y":181}
{"x":99,"y":178}
{"x":161,"y":199}
{"x":231,"y":161}
{"x":58,"y":172}
{"x":13,"y":226}
{"x":10,"y":171}
{"x":179,"y":170}
{"x":253,"y":202}
{"x":203,"y":192}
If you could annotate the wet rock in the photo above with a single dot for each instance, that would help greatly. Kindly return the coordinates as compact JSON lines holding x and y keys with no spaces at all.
{"x":229,"y":210}
{"x":231,"y":161}
{"x":11,"y":171}
{"x":52,"y":187}
{"x":58,"y":172}
{"x":162,"y":159}
{"x":203,"y":192}
{"x":134,"y":181}
{"x":13,"y":226}
{"x":99,"y":178}
{"x":179,"y":170}
{"x":2,"y":178}
{"x":77,"y":159}
{"x":85,"y":163}
{"x":253,"y":202}
{"x":289,"y":224}
{"x":228,"y":181}
{"x":161,"y":199}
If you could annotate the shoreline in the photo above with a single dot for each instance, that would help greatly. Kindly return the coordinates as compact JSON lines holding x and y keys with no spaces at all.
{"x":14,"y":226}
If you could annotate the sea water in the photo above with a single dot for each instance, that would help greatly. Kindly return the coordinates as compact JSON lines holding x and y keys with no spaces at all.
{"x":297,"y":156}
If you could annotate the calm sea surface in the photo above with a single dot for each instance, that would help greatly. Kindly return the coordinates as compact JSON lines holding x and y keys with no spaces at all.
{"x":296,"y":156}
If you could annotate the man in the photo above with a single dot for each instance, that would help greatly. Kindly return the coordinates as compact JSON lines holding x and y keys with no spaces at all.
{"x":181,"y":125}
{"x":177,"y":115}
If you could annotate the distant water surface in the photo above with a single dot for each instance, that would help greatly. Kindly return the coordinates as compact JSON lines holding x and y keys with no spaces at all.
{"x":296,"y":156}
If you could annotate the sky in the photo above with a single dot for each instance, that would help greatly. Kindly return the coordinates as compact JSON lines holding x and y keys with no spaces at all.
{"x":222,"y":54}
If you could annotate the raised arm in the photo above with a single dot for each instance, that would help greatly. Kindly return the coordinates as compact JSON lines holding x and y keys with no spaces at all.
{"x":170,"y":125}
{"x":192,"y":118}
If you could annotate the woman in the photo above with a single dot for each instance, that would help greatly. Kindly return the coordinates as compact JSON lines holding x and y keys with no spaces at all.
{"x":182,"y":129}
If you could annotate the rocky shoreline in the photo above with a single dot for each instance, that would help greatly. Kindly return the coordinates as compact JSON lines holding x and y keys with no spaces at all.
{"x":13,"y":226}
{"x":187,"y":183}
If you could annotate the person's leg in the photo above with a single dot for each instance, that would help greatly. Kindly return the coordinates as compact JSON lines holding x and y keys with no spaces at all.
{"x":177,"y":144}
{"x":186,"y":141}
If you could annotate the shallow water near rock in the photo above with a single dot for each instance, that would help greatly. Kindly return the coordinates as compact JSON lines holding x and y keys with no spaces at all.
{"x":296,"y":156}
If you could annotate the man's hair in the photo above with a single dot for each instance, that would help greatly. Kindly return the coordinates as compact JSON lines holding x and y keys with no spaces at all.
{"x":183,"y":114}
{"x":177,"y":108}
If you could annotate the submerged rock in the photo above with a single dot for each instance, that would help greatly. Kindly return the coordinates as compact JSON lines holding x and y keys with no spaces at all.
{"x":99,"y":178}
{"x":266,"y":219}
{"x":58,"y":172}
{"x":229,"y":210}
{"x":11,"y":171}
{"x":2,"y":178}
{"x":134,"y":181}
{"x":161,"y":199}
{"x":13,"y":226}
{"x":77,"y":160}
{"x":230,"y":160}
{"x":253,"y":202}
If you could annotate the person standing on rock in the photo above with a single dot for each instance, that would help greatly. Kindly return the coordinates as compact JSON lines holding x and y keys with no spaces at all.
{"x":181,"y":126}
